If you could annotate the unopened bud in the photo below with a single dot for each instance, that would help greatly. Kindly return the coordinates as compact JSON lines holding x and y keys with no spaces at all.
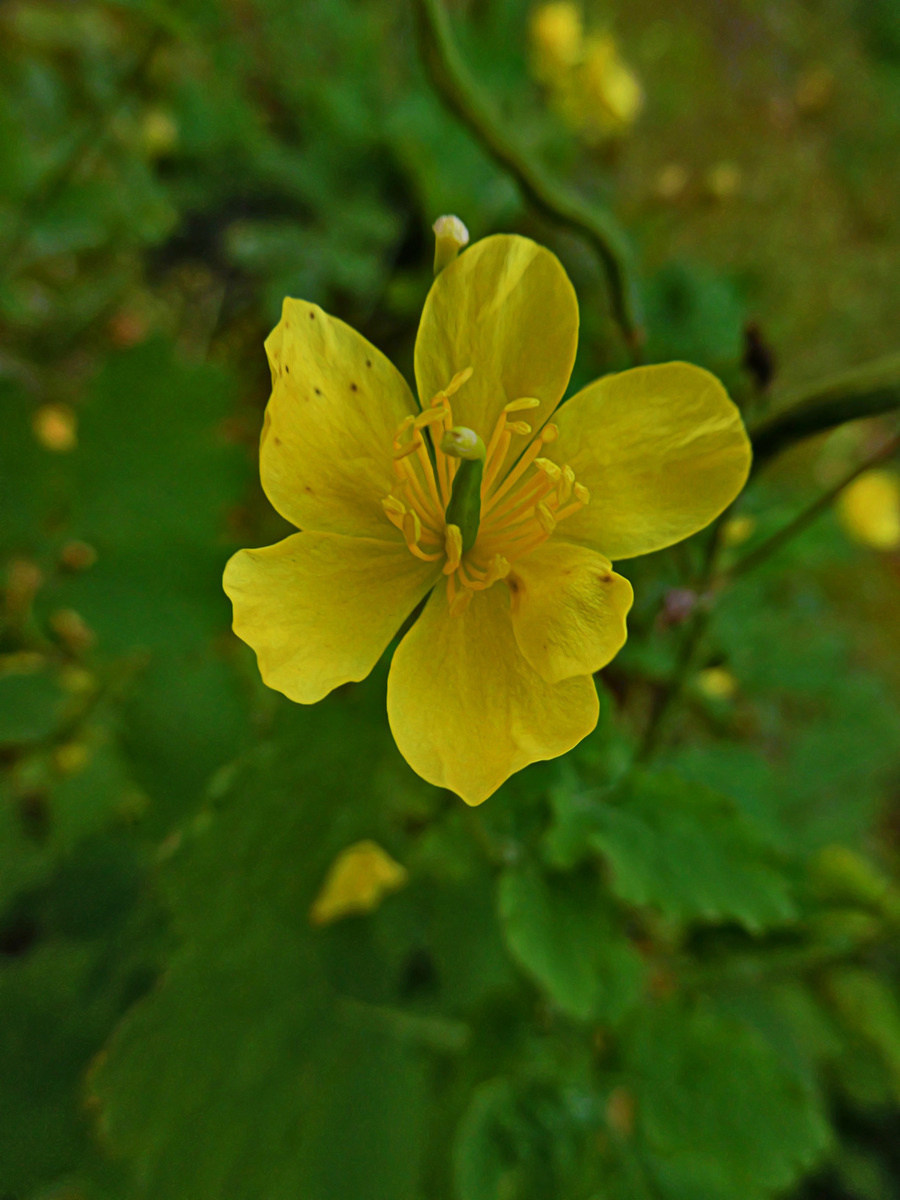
{"x":460,"y":442}
{"x":450,"y":237}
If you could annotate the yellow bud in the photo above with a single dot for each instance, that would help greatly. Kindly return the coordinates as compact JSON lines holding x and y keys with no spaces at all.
{"x":71,"y":757}
{"x":736,"y":530}
{"x":450,"y":236}
{"x":671,"y":181}
{"x":869,"y":510}
{"x":716,"y":683}
{"x":56,"y":427}
{"x":159,"y":132}
{"x":723,"y":181}
{"x":356,"y":883}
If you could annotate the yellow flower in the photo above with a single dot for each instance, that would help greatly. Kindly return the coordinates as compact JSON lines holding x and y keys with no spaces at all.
{"x":523,"y":604}
{"x":869,"y":510}
{"x":556,"y":34}
{"x":357,"y":881}
{"x":613,"y":97}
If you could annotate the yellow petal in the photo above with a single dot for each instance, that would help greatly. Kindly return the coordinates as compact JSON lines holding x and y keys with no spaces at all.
{"x":465,"y":707}
{"x":325,"y":457}
{"x":869,"y":510}
{"x":357,"y":881}
{"x":568,"y":610}
{"x":662,"y":451}
{"x":506,"y":309}
{"x":319,"y":609}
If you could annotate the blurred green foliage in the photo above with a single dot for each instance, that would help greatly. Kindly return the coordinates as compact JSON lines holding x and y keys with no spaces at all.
{"x":676,"y":980}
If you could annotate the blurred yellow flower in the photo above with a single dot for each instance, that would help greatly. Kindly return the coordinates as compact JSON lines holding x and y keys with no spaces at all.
{"x":589,"y":83}
{"x":357,"y":882}
{"x":612,"y":95}
{"x":515,"y":518}
{"x":556,"y":33}
{"x":869,"y":510}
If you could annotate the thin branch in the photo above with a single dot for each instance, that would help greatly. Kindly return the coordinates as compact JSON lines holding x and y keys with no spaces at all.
{"x":805,"y":518}
{"x":691,"y":638}
{"x":467,"y":101}
{"x":866,"y":391}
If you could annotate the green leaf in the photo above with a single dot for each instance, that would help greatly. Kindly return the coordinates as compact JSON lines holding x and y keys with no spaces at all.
{"x":718,"y":1115}
{"x":29,"y":705}
{"x":564,"y":933}
{"x":299,"y":1086}
{"x":687,"y":850}
{"x":523,"y":1140}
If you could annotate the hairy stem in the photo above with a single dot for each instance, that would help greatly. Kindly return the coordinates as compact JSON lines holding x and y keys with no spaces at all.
{"x":465,"y":99}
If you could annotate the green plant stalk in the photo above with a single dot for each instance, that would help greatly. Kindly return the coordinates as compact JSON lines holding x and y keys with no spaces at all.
{"x":866,"y":391}
{"x":465,"y":99}
{"x":805,"y":518}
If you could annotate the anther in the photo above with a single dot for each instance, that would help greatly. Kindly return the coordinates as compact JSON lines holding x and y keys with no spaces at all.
{"x":550,"y":469}
{"x":406,"y":450}
{"x":520,"y":427}
{"x":391,"y":504}
{"x":582,"y":494}
{"x":458,"y":380}
{"x":549,"y":433}
{"x":430,"y":417}
{"x":545,"y":518}
{"x":412,"y":528}
{"x":521,"y":405}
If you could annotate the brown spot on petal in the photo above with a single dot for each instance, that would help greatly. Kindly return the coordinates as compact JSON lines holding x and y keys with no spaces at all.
{"x":353,"y":387}
{"x":312,"y":316}
{"x":605,"y":578}
{"x":368,"y":362}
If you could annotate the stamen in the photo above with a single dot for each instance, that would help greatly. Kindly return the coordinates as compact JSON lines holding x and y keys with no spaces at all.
{"x":522,"y":404}
{"x":393,"y":506}
{"x":516,"y":473}
{"x":545,"y":518}
{"x":458,"y":380}
{"x":497,"y":449}
{"x":430,"y":416}
{"x":406,"y":450}
{"x":549,"y":468}
{"x":520,"y":427}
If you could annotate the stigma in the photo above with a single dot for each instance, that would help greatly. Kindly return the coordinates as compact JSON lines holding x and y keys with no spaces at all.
{"x":452,"y":500}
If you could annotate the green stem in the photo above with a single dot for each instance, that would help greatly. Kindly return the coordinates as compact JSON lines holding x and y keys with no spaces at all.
{"x":866,"y":391}
{"x":465,"y":99}
{"x":667,"y":695}
{"x":805,"y":518}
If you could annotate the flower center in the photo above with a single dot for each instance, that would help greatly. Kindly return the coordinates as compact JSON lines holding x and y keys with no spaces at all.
{"x":513,"y":512}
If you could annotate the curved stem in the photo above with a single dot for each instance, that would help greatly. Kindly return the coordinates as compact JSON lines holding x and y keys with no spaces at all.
{"x":866,"y":391}
{"x":463,"y":96}
{"x":774,"y":543}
